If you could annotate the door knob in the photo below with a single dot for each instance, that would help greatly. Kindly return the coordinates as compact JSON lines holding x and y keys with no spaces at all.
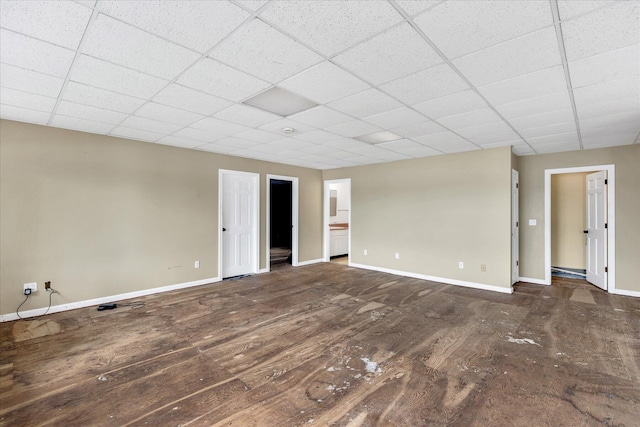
{"x":585,"y":231}
{"x":224,"y":229}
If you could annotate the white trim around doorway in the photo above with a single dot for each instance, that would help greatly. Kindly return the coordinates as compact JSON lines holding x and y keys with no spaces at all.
{"x":326,"y":219}
{"x":294,"y":219}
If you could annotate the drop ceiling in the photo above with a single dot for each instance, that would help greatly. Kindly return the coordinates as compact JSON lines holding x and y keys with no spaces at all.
{"x":442,"y":76}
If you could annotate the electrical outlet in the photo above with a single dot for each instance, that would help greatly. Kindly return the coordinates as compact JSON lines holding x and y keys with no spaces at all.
{"x":397,"y":255}
{"x":196,"y":264}
{"x":461,"y":265}
{"x":483,"y":267}
{"x":33,"y":286}
{"x":365,"y":251}
{"x":47,"y":286}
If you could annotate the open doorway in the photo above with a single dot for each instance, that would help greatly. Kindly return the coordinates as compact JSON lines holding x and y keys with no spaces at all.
{"x":337,"y":219}
{"x":282,"y":222}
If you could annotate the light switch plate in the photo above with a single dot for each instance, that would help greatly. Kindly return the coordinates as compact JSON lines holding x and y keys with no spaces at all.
{"x":533,"y":222}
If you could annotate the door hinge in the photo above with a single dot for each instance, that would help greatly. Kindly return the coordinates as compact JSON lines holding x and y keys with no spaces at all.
{"x":517,"y":263}
{"x":517,"y":185}
{"x":606,"y":181}
{"x":606,"y":225}
{"x":606,"y":269}
{"x":517,"y":224}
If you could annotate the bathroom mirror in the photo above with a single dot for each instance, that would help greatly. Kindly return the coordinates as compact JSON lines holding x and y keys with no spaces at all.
{"x":333,"y":202}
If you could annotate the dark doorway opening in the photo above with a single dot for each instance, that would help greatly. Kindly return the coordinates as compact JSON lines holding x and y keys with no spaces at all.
{"x":281,"y":222}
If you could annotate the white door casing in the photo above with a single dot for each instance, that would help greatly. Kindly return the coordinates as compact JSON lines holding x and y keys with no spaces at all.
{"x":596,"y":232}
{"x":239,"y":227}
{"x":515,"y":228}
{"x":294,"y":217}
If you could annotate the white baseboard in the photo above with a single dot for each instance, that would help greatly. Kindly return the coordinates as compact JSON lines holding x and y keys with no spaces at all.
{"x":534,"y":281}
{"x":626,"y":293}
{"x":264,"y":270}
{"x":103,"y":300}
{"x":456,"y":282}
{"x":309,"y":262}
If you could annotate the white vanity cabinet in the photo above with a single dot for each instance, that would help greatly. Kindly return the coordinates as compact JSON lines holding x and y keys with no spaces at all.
{"x":339,"y":244}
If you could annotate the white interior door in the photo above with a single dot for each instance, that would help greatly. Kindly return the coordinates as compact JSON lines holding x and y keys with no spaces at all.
{"x":596,"y":231}
{"x":239,"y":223}
{"x":515,"y":228}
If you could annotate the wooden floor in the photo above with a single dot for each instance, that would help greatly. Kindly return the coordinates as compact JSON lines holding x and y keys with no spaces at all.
{"x":330,"y":345}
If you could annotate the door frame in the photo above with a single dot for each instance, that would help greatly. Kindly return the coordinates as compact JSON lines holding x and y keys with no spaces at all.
{"x":294,"y":218}
{"x":255,"y":217}
{"x":515,"y":226}
{"x":326,"y":219}
{"x":611,"y":221}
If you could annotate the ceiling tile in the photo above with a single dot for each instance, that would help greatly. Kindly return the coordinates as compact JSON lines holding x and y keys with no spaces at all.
{"x":427,"y":84}
{"x":531,"y":106}
{"x":252,"y":4}
{"x":500,"y":139}
{"x":238,"y":143}
{"x":449,"y":105}
{"x":391,"y":156}
{"x":29,"y":81}
{"x":89,"y":95}
{"x":409,"y":148}
{"x":368,"y":150}
{"x":87,"y":3}
{"x":102,"y":74}
{"x":418,"y":129}
{"x":259,"y":49}
{"x":543,"y":119}
{"x":330,"y":26}
{"x":607,"y":91}
{"x":487,"y":131}
{"x":571,"y":8}
{"x":217,"y":148}
{"x":556,"y":147}
{"x":247,"y":116}
{"x":324,"y":83}
{"x":11,"y":112}
{"x":353,"y":128}
{"x":523,"y":150}
{"x":395,"y":118}
{"x":145,"y":52}
{"x":143,"y":123}
{"x":629,"y":103}
{"x":627,"y":120}
{"x":92,"y":114}
{"x":74,"y":123}
{"x":136,"y":134}
{"x":320,"y":117}
{"x":219,"y":126}
{"x":602,"y":31}
{"x":562,"y":138}
{"x":609,"y":140}
{"x":30,"y":101}
{"x":525,"y":86}
{"x":317,"y":149}
{"x":317,"y":136}
{"x":607,"y":66}
{"x":461,"y":27}
{"x":365,"y":103}
{"x":192,"y":100}
{"x":198,"y":135}
{"x":608,"y":131}
{"x":59,"y":22}
{"x":43,"y":57}
{"x":221,"y":80}
{"x":153,"y":110}
{"x":345,"y":144}
{"x":397,"y":52}
{"x":198,"y":25}
{"x":521,"y":55}
{"x":179,"y":142}
{"x":258,"y":135}
{"x":437,"y":139}
{"x":414,"y":7}
{"x":471,"y":118}
{"x":278,"y":125}
{"x":559,"y":128}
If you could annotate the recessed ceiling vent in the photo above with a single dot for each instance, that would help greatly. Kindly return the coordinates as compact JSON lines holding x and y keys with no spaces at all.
{"x":280,"y":102}
{"x":379,"y":137}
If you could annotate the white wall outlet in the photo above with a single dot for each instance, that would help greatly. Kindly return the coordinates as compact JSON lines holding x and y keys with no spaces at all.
{"x":483,"y":267}
{"x":196,"y":264}
{"x":533,"y":222}
{"x":33,"y":286}
{"x":365,"y":251}
{"x":461,"y":264}
{"x":397,"y":255}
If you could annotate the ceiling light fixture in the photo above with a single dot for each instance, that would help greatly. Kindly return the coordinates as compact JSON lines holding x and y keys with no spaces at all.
{"x":379,"y":137}
{"x":280,"y":102}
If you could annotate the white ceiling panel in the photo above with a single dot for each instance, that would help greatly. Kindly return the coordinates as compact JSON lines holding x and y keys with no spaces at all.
{"x":609,"y":140}
{"x":58,"y":22}
{"x":317,"y":137}
{"x":552,"y":117}
{"x":438,"y":139}
{"x":198,"y":135}
{"x":531,"y":106}
{"x":236,"y":143}
{"x":500,"y":139}
{"x":627,"y":120}
{"x":217,"y":148}
{"x":607,"y":91}
{"x":621,"y":105}
{"x":320,"y":117}
{"x":449,"y":105}
{"x":462,"y":27}
{"x":433,"y":82}
{"x":221,"y":80}
{"x":30,"y":101}
{"x":89,"y":113}
{"x":87,"y":3}
{"x":278,"y":125}
{"x":259,"y":49}
{"x":604,"y":30}
{"x":523,"y":150}
{"x":136,"y":134}
{"x":571,"y":8}
{"x":102,"y":74}
{"x":330,"y":26}
{"x":198,"y":25}
{"x":143,"y":123}
{"x":345,"y":144}
{"x":471,"y":118}
{"x":355,"y":159}
{"x":391,"y":156}
{"x":556,"y":129}
{"x":153,"y":110}
{"x":144,"y":52}
{"x":20,"y":114}
{"x":324,"y":83}
{"x":487,"y":130}
{"x":457,"y":146}
{"x":185,"y":98}
{"x":531,"y":52}
{"x":556,"y":147}
{"x":607,"y":66}
{"x":258,"y":135}
{"x":252,"y":4}
{"x":395,"y":118}
{"x":219,"y":126}
{"x":418,"y":129}
{"x":409,"y":148}
{"x":179,"y":142}
{"x":365,"y":103}
{"x":29,"y":81}
{"x":44,"y":57}
{"x":81,"y":124}
{"x":525,"y":86}
{"x":397,"y":52}
{"x":247,"y":116}
{"x":414,"y":7}
{"x":561,"y":138}
{"x":610,"y":132}
{"x":89,"y":95}
{"x":353,"y":128}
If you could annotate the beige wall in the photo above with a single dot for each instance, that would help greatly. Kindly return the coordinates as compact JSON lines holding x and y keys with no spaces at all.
{"x":101,"y":216}
{"x":627,"y":182}
{"x":435,"y":212}
{"x":568,"y":216}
